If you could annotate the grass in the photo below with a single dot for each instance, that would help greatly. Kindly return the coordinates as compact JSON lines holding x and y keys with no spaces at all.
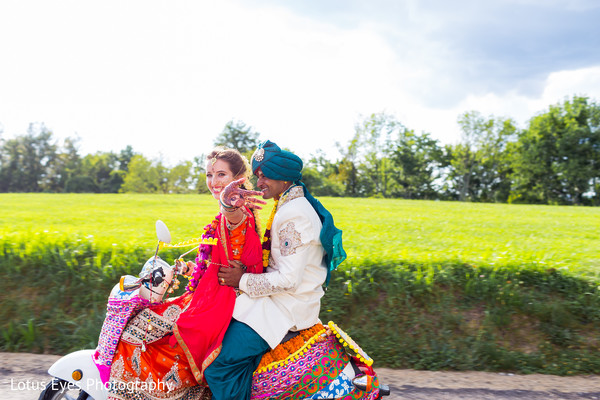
{"x":475,"y":233}
{"x":430,"y":285}
{"x":379,"y":230}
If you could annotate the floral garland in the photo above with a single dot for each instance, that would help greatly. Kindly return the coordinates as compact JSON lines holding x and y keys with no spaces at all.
{"x":288,"y":351}
{"x":204,"y":252}
{"x":266,"y":244}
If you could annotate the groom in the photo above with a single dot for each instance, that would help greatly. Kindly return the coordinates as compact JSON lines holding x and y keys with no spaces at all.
{"x":300,"y":248}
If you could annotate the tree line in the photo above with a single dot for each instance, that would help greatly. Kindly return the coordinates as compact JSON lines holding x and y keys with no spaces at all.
{"x":555,"y":159}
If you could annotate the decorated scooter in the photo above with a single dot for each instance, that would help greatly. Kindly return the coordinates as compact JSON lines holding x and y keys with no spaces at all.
{"x":322,"y":362}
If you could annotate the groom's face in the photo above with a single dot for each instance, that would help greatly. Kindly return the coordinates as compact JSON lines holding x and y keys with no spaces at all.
{"x":270,"y":188}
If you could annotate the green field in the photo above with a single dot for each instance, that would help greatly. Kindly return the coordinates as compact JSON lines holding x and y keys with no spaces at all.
{"x":427,"y":285}
{"x":380,"y":230}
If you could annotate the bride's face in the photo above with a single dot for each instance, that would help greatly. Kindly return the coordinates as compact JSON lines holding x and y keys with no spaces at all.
{"x":218,"y":175}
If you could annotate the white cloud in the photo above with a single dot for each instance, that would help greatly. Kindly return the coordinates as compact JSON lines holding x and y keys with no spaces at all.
{"x":558,"y":87}
{"x":581,"y":82}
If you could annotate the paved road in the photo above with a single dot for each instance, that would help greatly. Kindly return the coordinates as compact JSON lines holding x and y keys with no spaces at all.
{"x":23,"y":376}
{"x":429,"y":385}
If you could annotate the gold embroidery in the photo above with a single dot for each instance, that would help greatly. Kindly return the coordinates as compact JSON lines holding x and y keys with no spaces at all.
{"x":136,"y":361}
{"x":136,"y":331}
{"x":211,"y":357}
{"x":172,"y":313}
{"x":294,"y":193}
{"x":289,"y":239}
{"x":172,"y":379}
{"x":261,"y":285}
{"x":150,"y":383}
{"x":117,"y":369}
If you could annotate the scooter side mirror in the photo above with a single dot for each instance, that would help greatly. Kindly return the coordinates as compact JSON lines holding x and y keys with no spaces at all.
{"x":162,"y":232}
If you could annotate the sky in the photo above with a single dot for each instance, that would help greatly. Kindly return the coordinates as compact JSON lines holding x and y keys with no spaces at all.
{"x":166,"y":76}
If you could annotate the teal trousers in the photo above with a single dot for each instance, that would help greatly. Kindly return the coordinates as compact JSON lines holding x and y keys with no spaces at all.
{"x":229,"y":376}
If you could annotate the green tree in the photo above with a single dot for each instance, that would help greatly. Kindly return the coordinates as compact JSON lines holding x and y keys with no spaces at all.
{"x":237,"y":135}
{"x":321,"y":176}
{"x":557,"y":159}
{"x":180,"y":178}
{"x":347,"y":171}
{"x":66,"y":165}
{"x":366,"y":167}
{"x":27,"y":160}
{"x":199,"y":175}
{"x":417,"y":160}
{"x":99,"y":173}
{"x":143,"y":176}
{"x":374,"y":139}
{"x":480,"y":165}
{"x":125,"y":157}
{"x":147,"y":176}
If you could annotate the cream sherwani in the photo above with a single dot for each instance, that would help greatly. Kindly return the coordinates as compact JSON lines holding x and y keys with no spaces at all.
{"x":288,"y":295}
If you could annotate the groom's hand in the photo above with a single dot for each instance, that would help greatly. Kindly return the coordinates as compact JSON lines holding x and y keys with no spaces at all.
{"x":230,"y":276}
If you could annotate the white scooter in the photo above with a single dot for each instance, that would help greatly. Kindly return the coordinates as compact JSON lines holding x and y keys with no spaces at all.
{"x":76,"y":376}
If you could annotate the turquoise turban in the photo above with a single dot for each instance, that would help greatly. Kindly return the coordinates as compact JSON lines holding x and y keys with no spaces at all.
{"x":275,"y":163}
{"x":283,"y":165}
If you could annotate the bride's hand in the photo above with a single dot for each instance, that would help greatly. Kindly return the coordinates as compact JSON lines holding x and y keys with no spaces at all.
{"x":233,"y":196}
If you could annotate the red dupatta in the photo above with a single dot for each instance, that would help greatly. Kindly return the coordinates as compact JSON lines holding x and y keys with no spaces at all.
{"x":199,"y":330}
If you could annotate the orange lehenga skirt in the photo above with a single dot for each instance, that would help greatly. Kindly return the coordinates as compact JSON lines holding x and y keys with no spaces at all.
{"x":162,"y":370}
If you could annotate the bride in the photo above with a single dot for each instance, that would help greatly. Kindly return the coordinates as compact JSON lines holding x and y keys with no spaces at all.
{"x":163,"y":350}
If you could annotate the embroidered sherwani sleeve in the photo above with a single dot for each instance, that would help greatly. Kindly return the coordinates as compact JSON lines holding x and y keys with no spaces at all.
{"x":290,"y":253}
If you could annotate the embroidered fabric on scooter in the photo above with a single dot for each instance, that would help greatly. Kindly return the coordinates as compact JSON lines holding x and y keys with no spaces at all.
{"x":341,"y":386}
{"x":148,"y":326}
{"x":159,"y":373}
{"x":121,"y":306}
{"x":306,"y":375}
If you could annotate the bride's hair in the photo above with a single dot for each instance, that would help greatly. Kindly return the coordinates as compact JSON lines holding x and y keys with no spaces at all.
{"x":239,"y":166}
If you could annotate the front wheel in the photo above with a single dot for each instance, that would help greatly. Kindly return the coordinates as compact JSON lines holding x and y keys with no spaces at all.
{"x":61,"y":389}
